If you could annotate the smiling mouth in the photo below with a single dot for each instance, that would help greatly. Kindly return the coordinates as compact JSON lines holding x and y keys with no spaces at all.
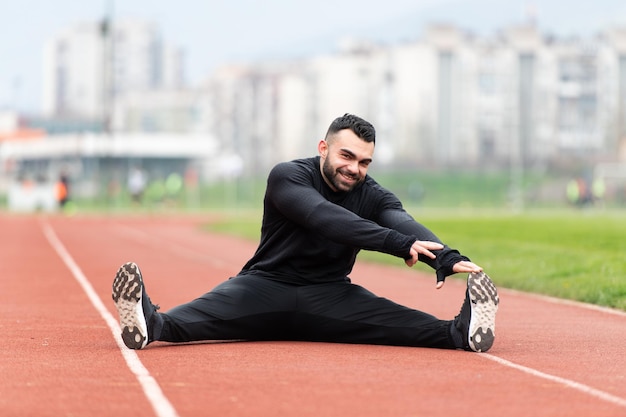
{"x":348,"y":177}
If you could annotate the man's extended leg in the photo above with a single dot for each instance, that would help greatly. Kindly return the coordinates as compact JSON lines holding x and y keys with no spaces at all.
{"x":349,"y":313}
{"x":241,"y":308}
{"x":247,"y":308}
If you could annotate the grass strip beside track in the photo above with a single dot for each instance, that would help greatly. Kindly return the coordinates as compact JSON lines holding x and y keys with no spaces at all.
{"x":574,"y":255}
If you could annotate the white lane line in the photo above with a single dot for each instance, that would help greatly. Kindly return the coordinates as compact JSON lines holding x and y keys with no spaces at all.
{"x":563,"y":381}
{"x":160,"y":403}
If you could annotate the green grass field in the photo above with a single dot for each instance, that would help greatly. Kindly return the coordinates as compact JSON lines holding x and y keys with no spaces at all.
{"x":572,"y":254}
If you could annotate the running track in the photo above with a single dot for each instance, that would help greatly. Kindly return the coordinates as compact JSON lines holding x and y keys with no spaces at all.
{"x":61,"y":355}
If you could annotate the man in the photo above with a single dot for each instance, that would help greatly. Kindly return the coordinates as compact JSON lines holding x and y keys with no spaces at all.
{"x":63,"y":190}
{"x":318,"y":214}
{"x":136,"y":185}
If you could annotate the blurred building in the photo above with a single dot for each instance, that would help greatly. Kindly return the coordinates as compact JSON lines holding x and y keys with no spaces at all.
{"x":164,"y":110}
{"x":89,"y":66}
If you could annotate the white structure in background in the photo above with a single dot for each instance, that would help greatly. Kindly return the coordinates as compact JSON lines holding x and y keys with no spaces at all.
{"x":89,"y":65}
{"x":32,"y":197}
{"x":38,"y":162}
{"x":9,"y":121}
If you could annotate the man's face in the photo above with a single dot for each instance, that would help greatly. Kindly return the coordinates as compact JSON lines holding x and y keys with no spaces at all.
{"x":344,"y":160}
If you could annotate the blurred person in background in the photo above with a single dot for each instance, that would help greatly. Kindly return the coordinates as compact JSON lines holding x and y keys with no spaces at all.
{"x":136,"y":185}
{"x":62,"y":189}
{"x":319,"y":212}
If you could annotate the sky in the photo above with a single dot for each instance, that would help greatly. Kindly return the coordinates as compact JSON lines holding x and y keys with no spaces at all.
{"x":214,"y":33}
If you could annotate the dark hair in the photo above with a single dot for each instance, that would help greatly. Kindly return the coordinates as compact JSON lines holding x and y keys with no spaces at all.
{"x":362,"y":128}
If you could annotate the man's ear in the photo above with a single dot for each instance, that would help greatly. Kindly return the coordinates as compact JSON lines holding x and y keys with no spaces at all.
{"x":322,"y":148}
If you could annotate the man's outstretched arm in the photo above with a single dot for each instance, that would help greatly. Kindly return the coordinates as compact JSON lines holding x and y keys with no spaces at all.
{"x":446,"y":262}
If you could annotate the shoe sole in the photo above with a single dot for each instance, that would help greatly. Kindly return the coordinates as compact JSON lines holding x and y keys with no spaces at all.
{"x":127,"y":295}
{"x":484,"y":302}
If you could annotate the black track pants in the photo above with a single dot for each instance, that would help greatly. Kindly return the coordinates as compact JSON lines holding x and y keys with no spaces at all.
{"x":254,"y":308}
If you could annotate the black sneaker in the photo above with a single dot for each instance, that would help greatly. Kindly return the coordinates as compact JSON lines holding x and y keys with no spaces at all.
{"x":133,"y":306}
{"x":477,"y":319}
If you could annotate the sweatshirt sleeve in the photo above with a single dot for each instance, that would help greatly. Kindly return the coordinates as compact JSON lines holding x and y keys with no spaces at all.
{"x":290,"y":190}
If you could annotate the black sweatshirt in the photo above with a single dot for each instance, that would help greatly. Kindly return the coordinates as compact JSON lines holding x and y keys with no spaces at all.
{"x":312,"y":234}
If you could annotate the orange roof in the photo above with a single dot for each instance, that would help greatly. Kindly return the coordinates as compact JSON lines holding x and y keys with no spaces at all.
{"x":22,"y":134}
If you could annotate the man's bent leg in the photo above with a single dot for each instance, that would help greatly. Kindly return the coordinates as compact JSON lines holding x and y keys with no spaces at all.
{"x":242,"y":308}
{"x":348,"y":313}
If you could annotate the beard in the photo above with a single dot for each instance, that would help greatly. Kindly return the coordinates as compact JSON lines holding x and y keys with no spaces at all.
{"x":337,"y":178}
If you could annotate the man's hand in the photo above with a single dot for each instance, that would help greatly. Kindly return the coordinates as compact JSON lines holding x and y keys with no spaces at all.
{"x":466,"y":266}
{"x":424,"y":247}
{"x":462,"y":266}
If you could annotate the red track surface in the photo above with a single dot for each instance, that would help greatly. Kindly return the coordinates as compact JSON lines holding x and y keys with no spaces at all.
{"x":59,"y":356}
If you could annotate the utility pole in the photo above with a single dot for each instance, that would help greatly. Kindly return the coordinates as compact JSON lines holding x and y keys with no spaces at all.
{"x":108,"y":76}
